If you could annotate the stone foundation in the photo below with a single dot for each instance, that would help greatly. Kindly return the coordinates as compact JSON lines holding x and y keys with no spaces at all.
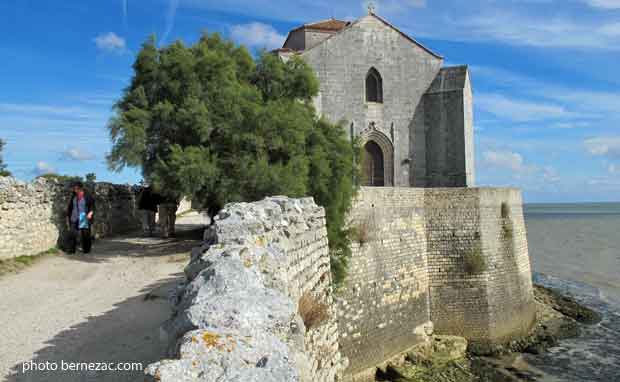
{"x":409,"y":268}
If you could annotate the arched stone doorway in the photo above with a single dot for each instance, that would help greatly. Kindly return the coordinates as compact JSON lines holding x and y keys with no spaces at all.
{"x":377,"y":159}
{"x":373,"y":169}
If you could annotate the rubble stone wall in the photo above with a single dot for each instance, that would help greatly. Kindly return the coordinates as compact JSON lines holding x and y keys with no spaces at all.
{"x":33,"y":215}
{"x":237,"y":316}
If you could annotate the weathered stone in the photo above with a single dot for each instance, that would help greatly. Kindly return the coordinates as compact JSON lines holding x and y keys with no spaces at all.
{"x":236,"y":318}
{"x":423,"y":121}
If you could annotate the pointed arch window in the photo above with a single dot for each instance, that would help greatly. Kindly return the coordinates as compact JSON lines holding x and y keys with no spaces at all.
{"x":374,"y":86}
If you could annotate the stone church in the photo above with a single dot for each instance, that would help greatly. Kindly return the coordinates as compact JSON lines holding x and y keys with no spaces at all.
{"x":413,"y":117}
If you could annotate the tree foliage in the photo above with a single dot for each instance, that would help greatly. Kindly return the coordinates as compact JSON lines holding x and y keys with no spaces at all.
{"x":91,"y":177}
{"x":3,"y":170}
{"x":210,"y":122}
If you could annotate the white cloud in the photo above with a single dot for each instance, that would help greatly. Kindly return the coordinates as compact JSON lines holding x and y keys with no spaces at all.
{"x":43,"y":168}
{"x":124,"y":9}
{"x":257,"y":35}
{"x":504,"y":159}
{"x":110,"y":42}
{"x":605,"y":4}
{"x":538,"y":23}
{"x":571,"y":107}
{"x":70,"y":112}
{"x":77,"y":154}
{"x":520,"y":110}
{"x":171,"y":13}
{"x":608,"y":147}
{"x":570,"y":125}
{"x":533,"y":30}
{"x":550,"y":174}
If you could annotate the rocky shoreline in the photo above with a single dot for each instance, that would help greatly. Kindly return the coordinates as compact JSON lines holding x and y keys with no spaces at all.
{"x":452,"y":359}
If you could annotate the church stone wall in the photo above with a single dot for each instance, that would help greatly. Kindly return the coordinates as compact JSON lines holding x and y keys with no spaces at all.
{"x":448,"y":120}
{"x":341,"y":64}
{"x":32,"y":215}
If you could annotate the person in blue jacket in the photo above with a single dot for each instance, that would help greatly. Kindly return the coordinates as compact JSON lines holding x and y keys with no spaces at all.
{"x":80,"y":216}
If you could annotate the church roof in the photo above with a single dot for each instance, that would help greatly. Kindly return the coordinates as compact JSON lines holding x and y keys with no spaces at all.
{"x":335,"y":26}
{"x":332,"y":25}
{"x":329,"y":25}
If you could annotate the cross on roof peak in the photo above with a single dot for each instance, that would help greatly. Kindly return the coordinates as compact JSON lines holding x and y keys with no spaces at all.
{"x":371,"y":7}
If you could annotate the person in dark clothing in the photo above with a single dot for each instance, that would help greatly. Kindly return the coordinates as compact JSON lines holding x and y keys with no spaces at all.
{"x":80,"y":216}
{"x":149,"y":200}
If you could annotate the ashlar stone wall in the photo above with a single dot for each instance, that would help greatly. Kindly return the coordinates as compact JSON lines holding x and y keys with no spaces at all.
{"x":237,"y":316}
{"x":341,"y":64}
{"x":383,"y":308}
{"x":418,"y":261}
{"x":33,"y":215}
{"x":493,"y":303}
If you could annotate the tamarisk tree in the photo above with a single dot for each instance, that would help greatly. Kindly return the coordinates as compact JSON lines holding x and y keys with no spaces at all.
{"x":210,"y":122}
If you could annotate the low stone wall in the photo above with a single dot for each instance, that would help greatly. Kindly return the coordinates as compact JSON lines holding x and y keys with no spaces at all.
{"x":237,"y":316}
{"x":33,"y":215}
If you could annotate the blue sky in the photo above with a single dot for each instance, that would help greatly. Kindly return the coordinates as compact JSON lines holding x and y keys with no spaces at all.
{"x":545,"y":77}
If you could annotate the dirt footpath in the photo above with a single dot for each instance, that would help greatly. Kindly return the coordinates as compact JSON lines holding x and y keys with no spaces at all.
{"x":103,"y":307}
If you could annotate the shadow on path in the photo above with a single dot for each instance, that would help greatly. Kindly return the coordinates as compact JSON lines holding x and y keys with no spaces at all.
{"x":188,"y":236}
{"x":127,"y":333}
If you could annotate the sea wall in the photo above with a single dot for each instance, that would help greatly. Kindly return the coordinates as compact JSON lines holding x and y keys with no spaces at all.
{"x":33,"y":215}
{"x":237,"y":316}
{"x":479,"y":266}
{"x":383,"y":308}
{"x":450,"y":261}
{"x":456,"y":257}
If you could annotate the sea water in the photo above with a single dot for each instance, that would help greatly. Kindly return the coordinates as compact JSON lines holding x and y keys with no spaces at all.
{"x":576,"y":248}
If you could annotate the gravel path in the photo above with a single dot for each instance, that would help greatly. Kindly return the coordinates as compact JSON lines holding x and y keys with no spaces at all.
{"x":103,"y":307}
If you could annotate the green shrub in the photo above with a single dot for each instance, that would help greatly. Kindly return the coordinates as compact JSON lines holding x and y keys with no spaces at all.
{"x":474,"y":262}
{"x":361,"y":232}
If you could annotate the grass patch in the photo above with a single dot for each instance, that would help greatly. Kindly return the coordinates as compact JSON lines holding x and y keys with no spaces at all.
{"x":474,"y":262}
{"x":19,"y":263}
{"x":505,"y":210}
{"x":507,"y":231}
{"x":313,"y":312}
